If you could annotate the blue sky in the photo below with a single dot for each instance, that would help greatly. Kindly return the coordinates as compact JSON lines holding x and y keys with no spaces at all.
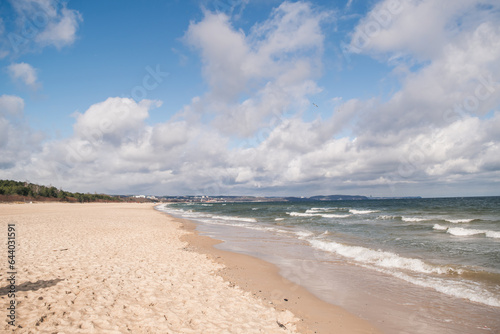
{"x":219,"y":97}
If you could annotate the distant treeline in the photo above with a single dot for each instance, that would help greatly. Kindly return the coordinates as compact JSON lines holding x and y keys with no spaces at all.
{"x":35,"y":191}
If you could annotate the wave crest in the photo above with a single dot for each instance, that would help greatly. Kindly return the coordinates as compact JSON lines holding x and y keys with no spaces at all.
{"x":380,"y":258}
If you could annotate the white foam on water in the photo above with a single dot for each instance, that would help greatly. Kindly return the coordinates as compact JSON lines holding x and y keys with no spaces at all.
{"x":465,"y":232}
{"x":387,"y":217}
{"x":279,"y":219}
{"x":458,"y":221}
{"x":318,"y":210}
{"x":219,"y":223}
{"x":391,"y":264}
{"x":324,"y":215}
{"x":362,"y":212}
{"x":412,"y":219}
{"x":184,"y":213}
{"x":321,"y":210}
{"x":493,"y":234}
{"x":440,"y":227}
{"x":195,"y":215}
{"x":232,"y":218}
{"x":265,"y":228}
{"x":301,"y":214}
{"x":460,"y":231}
{"x":238,"y":222}
{"x":303,"y":234}
{"x":331,"y":215}
{"x":460,"y":289}
{"x":380,"y":258}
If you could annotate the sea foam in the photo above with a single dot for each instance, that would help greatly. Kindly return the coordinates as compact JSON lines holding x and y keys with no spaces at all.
{"x":232,"y":218}
{"x":440,"y":227}
{"x":331,"y":215}
{"x":318,"y":214}
{"x":412,"y":219}
{"x":460,"y":289}
{"x":316,"y":210}
{"x":458,"y":221}
{"x":464,"y":232}
{"x":361,"y":212}
{"x":302,"y":214}
{"x":380,"y":258}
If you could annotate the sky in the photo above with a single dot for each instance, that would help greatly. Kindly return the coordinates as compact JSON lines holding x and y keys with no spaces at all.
{"x":252,"y":97}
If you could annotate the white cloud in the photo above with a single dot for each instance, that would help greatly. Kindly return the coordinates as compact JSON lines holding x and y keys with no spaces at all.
{"x":3,"y":52}
{"x":24,"y":73}
{"x":42,"y":23}
{"x":61,"y":31}
{"x":417,"y":28}
{"x":438,"y":132}
{"x":18,"y":142}
{"x":114,"y":120}
{"x":274,"y":65}
{"x":11,"y":105}
{"x":463,"y":78}
{"x":112,"y":148}
{"x":436,"y":122}
{"x":223,"y":52}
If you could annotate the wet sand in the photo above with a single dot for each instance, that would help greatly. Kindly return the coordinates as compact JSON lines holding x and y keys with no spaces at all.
{"x":263,"y":280}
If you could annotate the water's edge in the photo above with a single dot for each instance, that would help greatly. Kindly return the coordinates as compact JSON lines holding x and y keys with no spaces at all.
{"x":263,"y":279}
{"x":389,"y":303}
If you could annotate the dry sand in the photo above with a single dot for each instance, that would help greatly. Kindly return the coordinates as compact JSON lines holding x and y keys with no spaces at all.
{"x":127,"y":268}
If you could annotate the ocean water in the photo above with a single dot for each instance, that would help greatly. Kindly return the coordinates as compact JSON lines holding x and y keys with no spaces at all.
{"x":406,"y":265}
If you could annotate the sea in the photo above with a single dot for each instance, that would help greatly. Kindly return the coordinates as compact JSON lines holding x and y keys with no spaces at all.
{"x":415,"y":265}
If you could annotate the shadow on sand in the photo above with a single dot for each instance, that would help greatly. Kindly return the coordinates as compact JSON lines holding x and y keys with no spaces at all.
{"x":29,"y":286}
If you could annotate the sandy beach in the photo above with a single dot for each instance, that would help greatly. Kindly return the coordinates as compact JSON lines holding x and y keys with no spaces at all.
{"x":127,"y":268}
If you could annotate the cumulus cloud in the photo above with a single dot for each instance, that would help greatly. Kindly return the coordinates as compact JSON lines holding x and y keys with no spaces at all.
{"x":24,"y":73}
{"x":11,"y":105}
{"x":112,"y":148}
{"x":274,"y":64}
{"x":436,"y":129}
{"x":42,"y":23}
{"x":417,"y":28}
{"x":438,"y":120}
{"x":462,"y":76}
{"x":436,"y":135}
{"x":18,"y":142}
{"x":113,"y":120}
{"x":110,"y":137}
{"x":61,"y":31}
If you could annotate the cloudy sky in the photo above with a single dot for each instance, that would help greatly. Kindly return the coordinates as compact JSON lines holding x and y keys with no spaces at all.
{"x":256,"y":97}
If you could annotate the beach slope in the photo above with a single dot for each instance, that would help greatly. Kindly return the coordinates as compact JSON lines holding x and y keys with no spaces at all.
{"x":119,"y":268}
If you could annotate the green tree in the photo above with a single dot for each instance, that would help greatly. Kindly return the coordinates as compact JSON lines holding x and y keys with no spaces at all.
{"x":21,"y":190}
{"x":52,"y":192}
{"x":61,"y":194}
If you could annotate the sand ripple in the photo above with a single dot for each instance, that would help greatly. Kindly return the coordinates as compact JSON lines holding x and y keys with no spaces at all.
{"x":121,"y":268}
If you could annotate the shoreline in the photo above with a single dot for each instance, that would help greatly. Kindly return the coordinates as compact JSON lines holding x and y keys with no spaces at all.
{"x":115,"y":268}
{"x":388,"y":303}
{"x":263,"y":280}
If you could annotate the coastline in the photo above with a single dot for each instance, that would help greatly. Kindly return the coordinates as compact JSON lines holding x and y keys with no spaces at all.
{"x":114,"y":268}
{"x":262,"y":279}
{"x":391,"y":304}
